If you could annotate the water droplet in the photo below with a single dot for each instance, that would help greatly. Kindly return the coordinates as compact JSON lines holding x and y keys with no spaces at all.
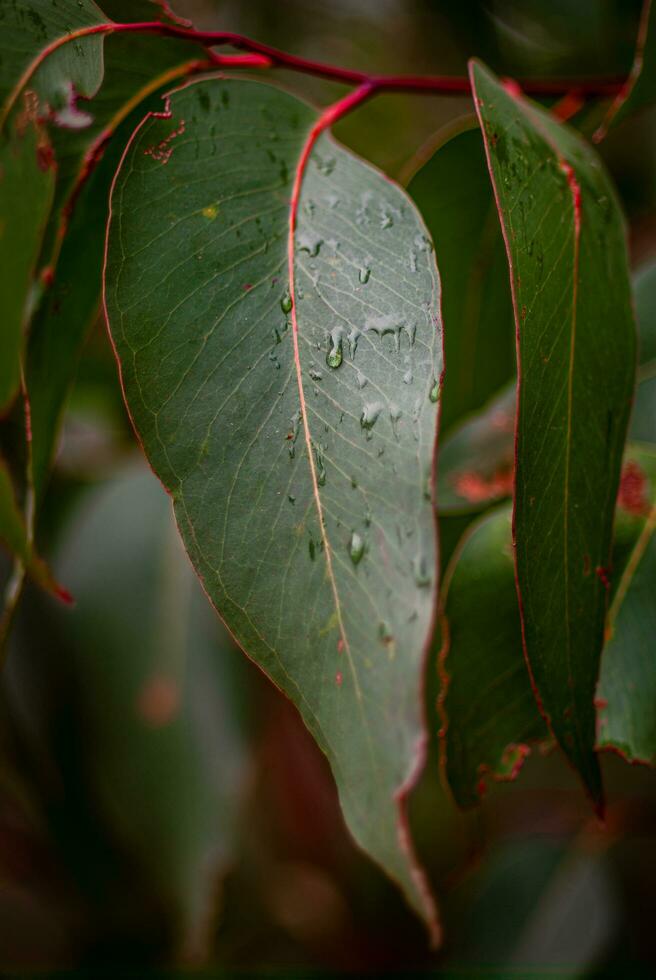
{"x":273,"y":357}
{"x":353,"y":338}
{"x":286,"y":303}
{"x":386,"y":219}
{"x":370,"y":415}
{"x":413,"y":260}
{"x":320,"y":465}
{"x":293,"y":435}
{"x":395,"y":415}
{"x":312,"y":548}
{"x":356,"y":547}
{"x":434,"y":393}
{"x":360,"y":379}
{"x":291,"y":498}
{"x":385,"y":633}
{"x":309,"y":242}
{"x":334,"y":355}
{"x":408,"y":377}
{"x":364,"y":274}
{"x":325,"y":165}
{"x":354,"y":483}
{"x":421,"y":571}
{"x":315,"y":375}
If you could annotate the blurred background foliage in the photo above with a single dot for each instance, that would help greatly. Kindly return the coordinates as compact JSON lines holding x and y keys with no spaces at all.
{"x":160,"y":802}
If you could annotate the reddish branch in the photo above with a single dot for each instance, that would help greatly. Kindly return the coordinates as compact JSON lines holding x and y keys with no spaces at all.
{"x":436,"y":84}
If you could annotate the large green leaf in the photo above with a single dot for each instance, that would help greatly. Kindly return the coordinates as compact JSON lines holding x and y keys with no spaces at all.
{"x":576,"y":350}
{"x":453,"y":193}
{"x":157,"y":680}
{"x":626,"y":694}
{"x":489,"y":709}
{"x":27,"y":180}
{"x":295,"y":434}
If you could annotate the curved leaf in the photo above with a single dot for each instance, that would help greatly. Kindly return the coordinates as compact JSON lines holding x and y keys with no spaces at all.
{"x":297,"y":448}
{"x":452,"y":191}
{"x":626,"y":693}
{"x":27,"y":180}
{"x":27,"y":28}
{"x":639,"y":90}
{"x":488,"y":705}
{"x":576,"y":360}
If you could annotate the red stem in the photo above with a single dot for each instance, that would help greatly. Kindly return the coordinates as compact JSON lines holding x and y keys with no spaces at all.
{"x":436,"y":84}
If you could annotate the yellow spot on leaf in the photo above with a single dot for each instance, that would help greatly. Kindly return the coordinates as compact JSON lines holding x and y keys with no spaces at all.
{"x":210,"y":211}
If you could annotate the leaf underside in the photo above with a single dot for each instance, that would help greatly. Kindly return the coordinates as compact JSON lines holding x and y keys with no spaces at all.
{"x":576,"y":359}
{"x":313,"y":536}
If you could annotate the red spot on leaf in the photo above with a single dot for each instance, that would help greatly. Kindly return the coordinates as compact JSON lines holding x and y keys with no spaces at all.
{"x":339,"y":678}
{"x":632,"y":495}
{"x":603,"y":574}
{"x":340,"y":645}
{"x":247,"y":286}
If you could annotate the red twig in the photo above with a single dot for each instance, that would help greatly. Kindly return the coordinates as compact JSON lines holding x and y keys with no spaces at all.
{"x":436,"y":84}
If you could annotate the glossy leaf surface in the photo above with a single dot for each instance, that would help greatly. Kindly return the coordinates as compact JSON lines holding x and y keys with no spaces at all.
{"x":295,"y":434}
{"x":576,"y":352}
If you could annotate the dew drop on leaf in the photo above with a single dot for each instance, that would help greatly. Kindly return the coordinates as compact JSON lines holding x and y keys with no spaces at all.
{"x":434,"y":393}
{"x":286,"y":303}
{"x":370,"y":415}
{"x":364,"y":274}
{"x":356,"y":547}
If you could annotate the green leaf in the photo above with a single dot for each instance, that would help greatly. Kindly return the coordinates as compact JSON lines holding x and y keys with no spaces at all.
{"x":298,"y":458}
{"x":639,"y":90}
{"x":627,"y":685}
{"x":476,"y":460}
{"x":158,"y":681}
{"x":27,"y":180}
{"x":28,"y":27}
{"x":643,"y":420}
{"x":452,"y":191}
{"x":488,"y":706}
{"x":576,"y":349}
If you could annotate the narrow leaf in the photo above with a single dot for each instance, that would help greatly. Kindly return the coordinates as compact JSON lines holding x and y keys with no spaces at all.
{"x":640,"y":87}
{"x":489,"y":710}
{"x":298,"y":458}
{"x":452,"y":191}
{"x":626,"y":694}
{"x":27,"y":180}
{"x":576,"y":362}
{"x":643,"y":420}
